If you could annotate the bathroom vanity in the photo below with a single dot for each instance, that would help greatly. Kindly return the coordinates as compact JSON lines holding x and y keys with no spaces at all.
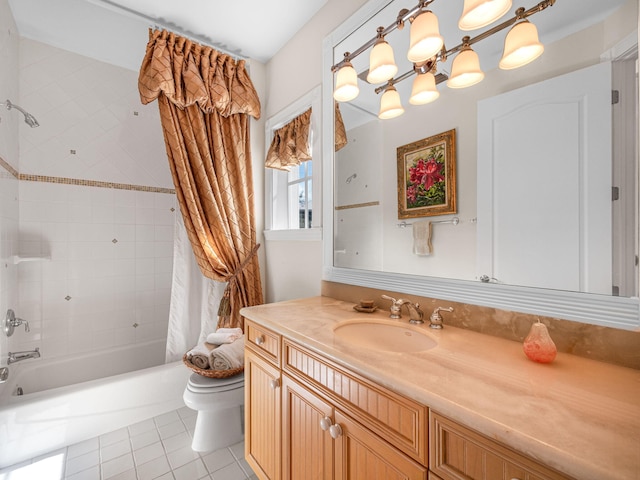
{"x":324,"y":400}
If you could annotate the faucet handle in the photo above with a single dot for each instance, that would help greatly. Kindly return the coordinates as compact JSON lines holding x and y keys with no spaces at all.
{"x":387,"y":297}
{"x":395,"y":306}
{"x":435,"y":320}
{"x":11,"y":322}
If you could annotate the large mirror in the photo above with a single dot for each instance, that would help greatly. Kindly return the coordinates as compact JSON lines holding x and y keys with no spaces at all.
{"x":593,"y":277}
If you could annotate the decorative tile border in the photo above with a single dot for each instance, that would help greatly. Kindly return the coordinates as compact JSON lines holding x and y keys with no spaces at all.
{"x":357,"y":205}
{"x":4,"y":164}
{"x":86,"y":183}
{"x":93,"y":183}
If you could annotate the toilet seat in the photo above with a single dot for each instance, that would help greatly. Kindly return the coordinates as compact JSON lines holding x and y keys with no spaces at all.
{"x":199,"y":384}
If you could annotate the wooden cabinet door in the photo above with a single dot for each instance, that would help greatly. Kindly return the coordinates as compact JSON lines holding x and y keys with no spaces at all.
{"x":262,"y":417}
{"x":307,"y":448}
{"x":458,"y":453}
{"x":361,"y":455}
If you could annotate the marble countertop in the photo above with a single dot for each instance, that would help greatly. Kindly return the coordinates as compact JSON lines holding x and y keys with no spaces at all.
{"x":576,"y":415}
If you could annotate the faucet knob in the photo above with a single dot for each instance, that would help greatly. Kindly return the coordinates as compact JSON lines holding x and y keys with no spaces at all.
{"x":395,"y":306}
{"x":435,"y":320}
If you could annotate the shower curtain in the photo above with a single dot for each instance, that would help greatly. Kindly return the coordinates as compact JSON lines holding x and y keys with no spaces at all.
{"x":206,"y":99}
{"x":194,"y":299}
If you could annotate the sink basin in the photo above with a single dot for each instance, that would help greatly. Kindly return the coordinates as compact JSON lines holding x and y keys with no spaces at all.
{"x":385,"y":335}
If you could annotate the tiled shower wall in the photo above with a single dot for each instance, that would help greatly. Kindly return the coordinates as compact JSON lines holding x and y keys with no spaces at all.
{"x":8,"y":168}
{"x":108,"y":280}
{"x":105,"y":276}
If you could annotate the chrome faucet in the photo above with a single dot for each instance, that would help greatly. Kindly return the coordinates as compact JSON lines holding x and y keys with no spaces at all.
{"x":19,"y":356}
{"x":415,"y":314}
{"x":435,"y":320}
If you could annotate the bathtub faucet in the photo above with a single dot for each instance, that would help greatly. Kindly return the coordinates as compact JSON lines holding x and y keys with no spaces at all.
{"x":18,"y":356}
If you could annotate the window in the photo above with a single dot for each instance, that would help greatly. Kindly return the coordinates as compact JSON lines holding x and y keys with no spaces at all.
{"x":292,"y":209}
{"x":300,"y":196}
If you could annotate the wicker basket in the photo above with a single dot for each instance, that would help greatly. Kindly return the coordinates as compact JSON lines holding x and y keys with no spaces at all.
{"x":211,"y":373}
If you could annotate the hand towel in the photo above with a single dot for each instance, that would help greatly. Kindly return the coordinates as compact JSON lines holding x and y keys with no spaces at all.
{"x":422,"y":238}
{"x":228,"y":355}
{"x":199,"y":356}
{"x":224,"y":335}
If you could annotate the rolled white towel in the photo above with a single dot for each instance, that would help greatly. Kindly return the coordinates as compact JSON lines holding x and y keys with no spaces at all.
{"x":228,"y":355}
{"x":199,"y":356}
{"x":224,"y":335}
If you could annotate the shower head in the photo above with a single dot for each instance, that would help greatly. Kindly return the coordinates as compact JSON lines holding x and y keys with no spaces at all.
{"x":28,"y":118}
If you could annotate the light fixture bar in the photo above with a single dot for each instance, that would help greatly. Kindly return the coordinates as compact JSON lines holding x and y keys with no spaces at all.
{"x":520,"y":14}
{"x":403,"y":16}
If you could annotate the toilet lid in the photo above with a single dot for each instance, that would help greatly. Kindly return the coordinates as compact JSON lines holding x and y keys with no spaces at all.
{"x":200,"y":383}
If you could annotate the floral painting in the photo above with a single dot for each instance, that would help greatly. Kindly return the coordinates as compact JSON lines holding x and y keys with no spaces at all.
{"x":427,"y":176}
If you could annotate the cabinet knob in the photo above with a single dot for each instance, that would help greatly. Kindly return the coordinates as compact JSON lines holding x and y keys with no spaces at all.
{"x":326,"y":423}
{"x":274,"y":383}
{"x":335,"y":431}
{"x":260,"y":340}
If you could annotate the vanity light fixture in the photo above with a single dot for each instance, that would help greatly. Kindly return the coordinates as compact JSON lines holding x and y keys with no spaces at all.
{"x":382,"y":65}
{"x":521,"y":46}
{"x":480,"y":13}
{"x":346,"y":82}
{"x":425,"y":39}
{"x":390,"y":104}
{"x":426,"y":49}
{"x":465,"y":70}
{"x":424,"y":88}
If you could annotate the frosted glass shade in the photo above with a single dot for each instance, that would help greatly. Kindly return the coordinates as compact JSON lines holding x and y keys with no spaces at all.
{"x":521,"y":46}
{"x":425,"y":40}
{"x":424,"y":89}
{"x":465,"y":70}
{"x":382,"y":66}
{"x":480,"y":13}
{"x":346,"y":84}
{"x":390,"y":105}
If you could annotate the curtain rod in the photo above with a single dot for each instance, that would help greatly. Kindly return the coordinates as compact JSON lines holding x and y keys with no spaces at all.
{"x":156,"y":24}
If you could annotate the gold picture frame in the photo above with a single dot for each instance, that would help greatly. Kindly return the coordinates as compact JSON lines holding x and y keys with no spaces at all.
{"x":427,"y":176}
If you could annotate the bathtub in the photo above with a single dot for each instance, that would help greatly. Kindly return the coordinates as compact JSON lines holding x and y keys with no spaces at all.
{"x":45,"y":419}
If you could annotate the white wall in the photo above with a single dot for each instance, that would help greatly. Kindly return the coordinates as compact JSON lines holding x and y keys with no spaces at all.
{"x":8,"y":164}
{"x":294,"y":268}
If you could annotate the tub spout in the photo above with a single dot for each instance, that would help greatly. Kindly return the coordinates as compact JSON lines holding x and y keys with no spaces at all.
{"x":19,"y":356}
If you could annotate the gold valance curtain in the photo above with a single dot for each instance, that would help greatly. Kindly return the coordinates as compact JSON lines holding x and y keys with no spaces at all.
{"x":205,"y":99}
{"x":290,"y":145}
{"x":340,"y":134}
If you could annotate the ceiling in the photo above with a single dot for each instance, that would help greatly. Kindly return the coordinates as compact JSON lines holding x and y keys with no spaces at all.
{"x":116,"y":31}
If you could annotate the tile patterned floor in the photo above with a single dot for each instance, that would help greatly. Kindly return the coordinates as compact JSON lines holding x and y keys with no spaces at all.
{"x":158,"y":448}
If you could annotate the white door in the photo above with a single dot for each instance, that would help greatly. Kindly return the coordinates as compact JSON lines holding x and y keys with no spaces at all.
{"x":544,"y":183}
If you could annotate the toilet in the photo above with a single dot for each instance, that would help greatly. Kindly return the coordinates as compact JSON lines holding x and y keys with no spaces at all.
{"x":220,"y":406}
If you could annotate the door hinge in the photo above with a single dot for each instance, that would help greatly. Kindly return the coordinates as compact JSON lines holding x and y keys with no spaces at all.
{"x":615,"y":193}
{"x":615,"y":96}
